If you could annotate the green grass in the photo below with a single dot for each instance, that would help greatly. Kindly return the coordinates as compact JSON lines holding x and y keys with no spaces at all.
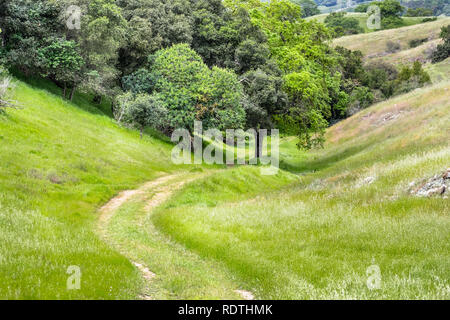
{"x":182,"y":274}
{"x":59,"y":162}
{"x":316,"y":238}
{"x":310,"y":233}
{"x":439,"y":71}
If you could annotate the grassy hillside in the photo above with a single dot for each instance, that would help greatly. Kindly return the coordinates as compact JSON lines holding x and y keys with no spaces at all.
{"x":374,"y":45}
{"x":362,"y":18}
{"x":439,"y":71}
{"x":59,"y":162}
{"x":350,"y":210}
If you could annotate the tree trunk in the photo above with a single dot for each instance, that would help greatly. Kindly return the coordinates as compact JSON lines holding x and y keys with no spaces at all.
{"x":142,"y":132}
{"x":72,"y":92}
{"x":65,"y":90}
{"x":257,"y":145}
{"x":97,"y":99}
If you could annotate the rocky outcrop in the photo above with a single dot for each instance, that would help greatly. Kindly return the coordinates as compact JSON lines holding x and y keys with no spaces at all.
{"x":438,"y":186}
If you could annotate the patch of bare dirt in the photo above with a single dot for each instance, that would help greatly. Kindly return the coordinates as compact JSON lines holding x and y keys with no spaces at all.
{"x":246,"y":295}
{"x":108,"y":209}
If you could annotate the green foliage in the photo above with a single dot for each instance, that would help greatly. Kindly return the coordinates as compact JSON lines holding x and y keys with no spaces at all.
{"x":391,"y":12}
{"x":61,"y":59}
{"x":361,"y":98}
{"x":301,"y":51}
{"x":309,"y":7}
{"x":417,"y":42}
{"x":26,"y":25}
{"x":378,"y":74}
{"x":142,"y":111}
{"x":264,"y":96}
{"x":429,"y":19}
{"x":362,"y":7}
{"x":102,"y":33}
{"x":183,"y":85}
{"x":418,"y":12}
{"x":443,"y":50}
{"x":437,"y":7}
{"x":386,"y":79}
{"x":153,"y":25}
{"x":141,"y":81}
{"x":342,"y":25}
{"x":410,"y":78}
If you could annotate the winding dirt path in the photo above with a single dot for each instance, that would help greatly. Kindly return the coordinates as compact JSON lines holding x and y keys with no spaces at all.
{"x":107,"y":211}
{"x":161,"y":189}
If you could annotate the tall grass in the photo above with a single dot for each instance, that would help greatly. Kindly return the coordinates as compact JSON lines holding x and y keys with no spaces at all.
{"x":59,"y":162}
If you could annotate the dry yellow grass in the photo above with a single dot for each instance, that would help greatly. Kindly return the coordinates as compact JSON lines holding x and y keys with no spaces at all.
{"x":374,"y":45}
{"x":405,"y":112}
{"x":409,"y":55}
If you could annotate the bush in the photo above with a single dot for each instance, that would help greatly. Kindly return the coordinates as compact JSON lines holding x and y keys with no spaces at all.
{"x":417,"y":42}
{"x":429,"y":19}
{"x":443,"y":50}
{"x":392,"y":22}
{"x":362,"y":7}
{"x":360,"y":98}
{"x":392,"y":46}
{"x":142,"y":111}
{"x":178,"y":89}
{"x":378,"y":74}
{"x":419,"y":12}
{"x":410,"y":78}
{"x":342,"y":25}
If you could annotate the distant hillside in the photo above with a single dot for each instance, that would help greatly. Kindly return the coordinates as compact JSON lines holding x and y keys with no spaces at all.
{"x":439,"y":7}
{"x":374,"y":45}
{"x":362,"y":18}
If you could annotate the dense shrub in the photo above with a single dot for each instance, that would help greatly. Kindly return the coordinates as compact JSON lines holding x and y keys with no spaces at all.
{"x":410,"y":78}
{"x":392,"y":46}
{"x":419,"y":12}
{"x":342,"y":25}
{"x":417,"y":42}
{"x":429,"y":19}
{"x":443,"y":50}
{"x":181,"y":89}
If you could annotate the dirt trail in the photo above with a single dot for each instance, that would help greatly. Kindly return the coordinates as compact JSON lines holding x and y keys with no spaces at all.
{"x":107,"y":211}
{"x":162,"y":189}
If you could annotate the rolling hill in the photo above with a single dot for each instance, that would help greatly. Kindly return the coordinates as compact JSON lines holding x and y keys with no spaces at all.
{"x":374,"y":45}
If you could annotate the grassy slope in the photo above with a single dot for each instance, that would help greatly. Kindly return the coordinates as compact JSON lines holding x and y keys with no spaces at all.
{"x":439,"y":71}
{"x":374,"y":45}
{"x":362,"y":18}
{"x":317,"y":238}
{"x":58,"y":163}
